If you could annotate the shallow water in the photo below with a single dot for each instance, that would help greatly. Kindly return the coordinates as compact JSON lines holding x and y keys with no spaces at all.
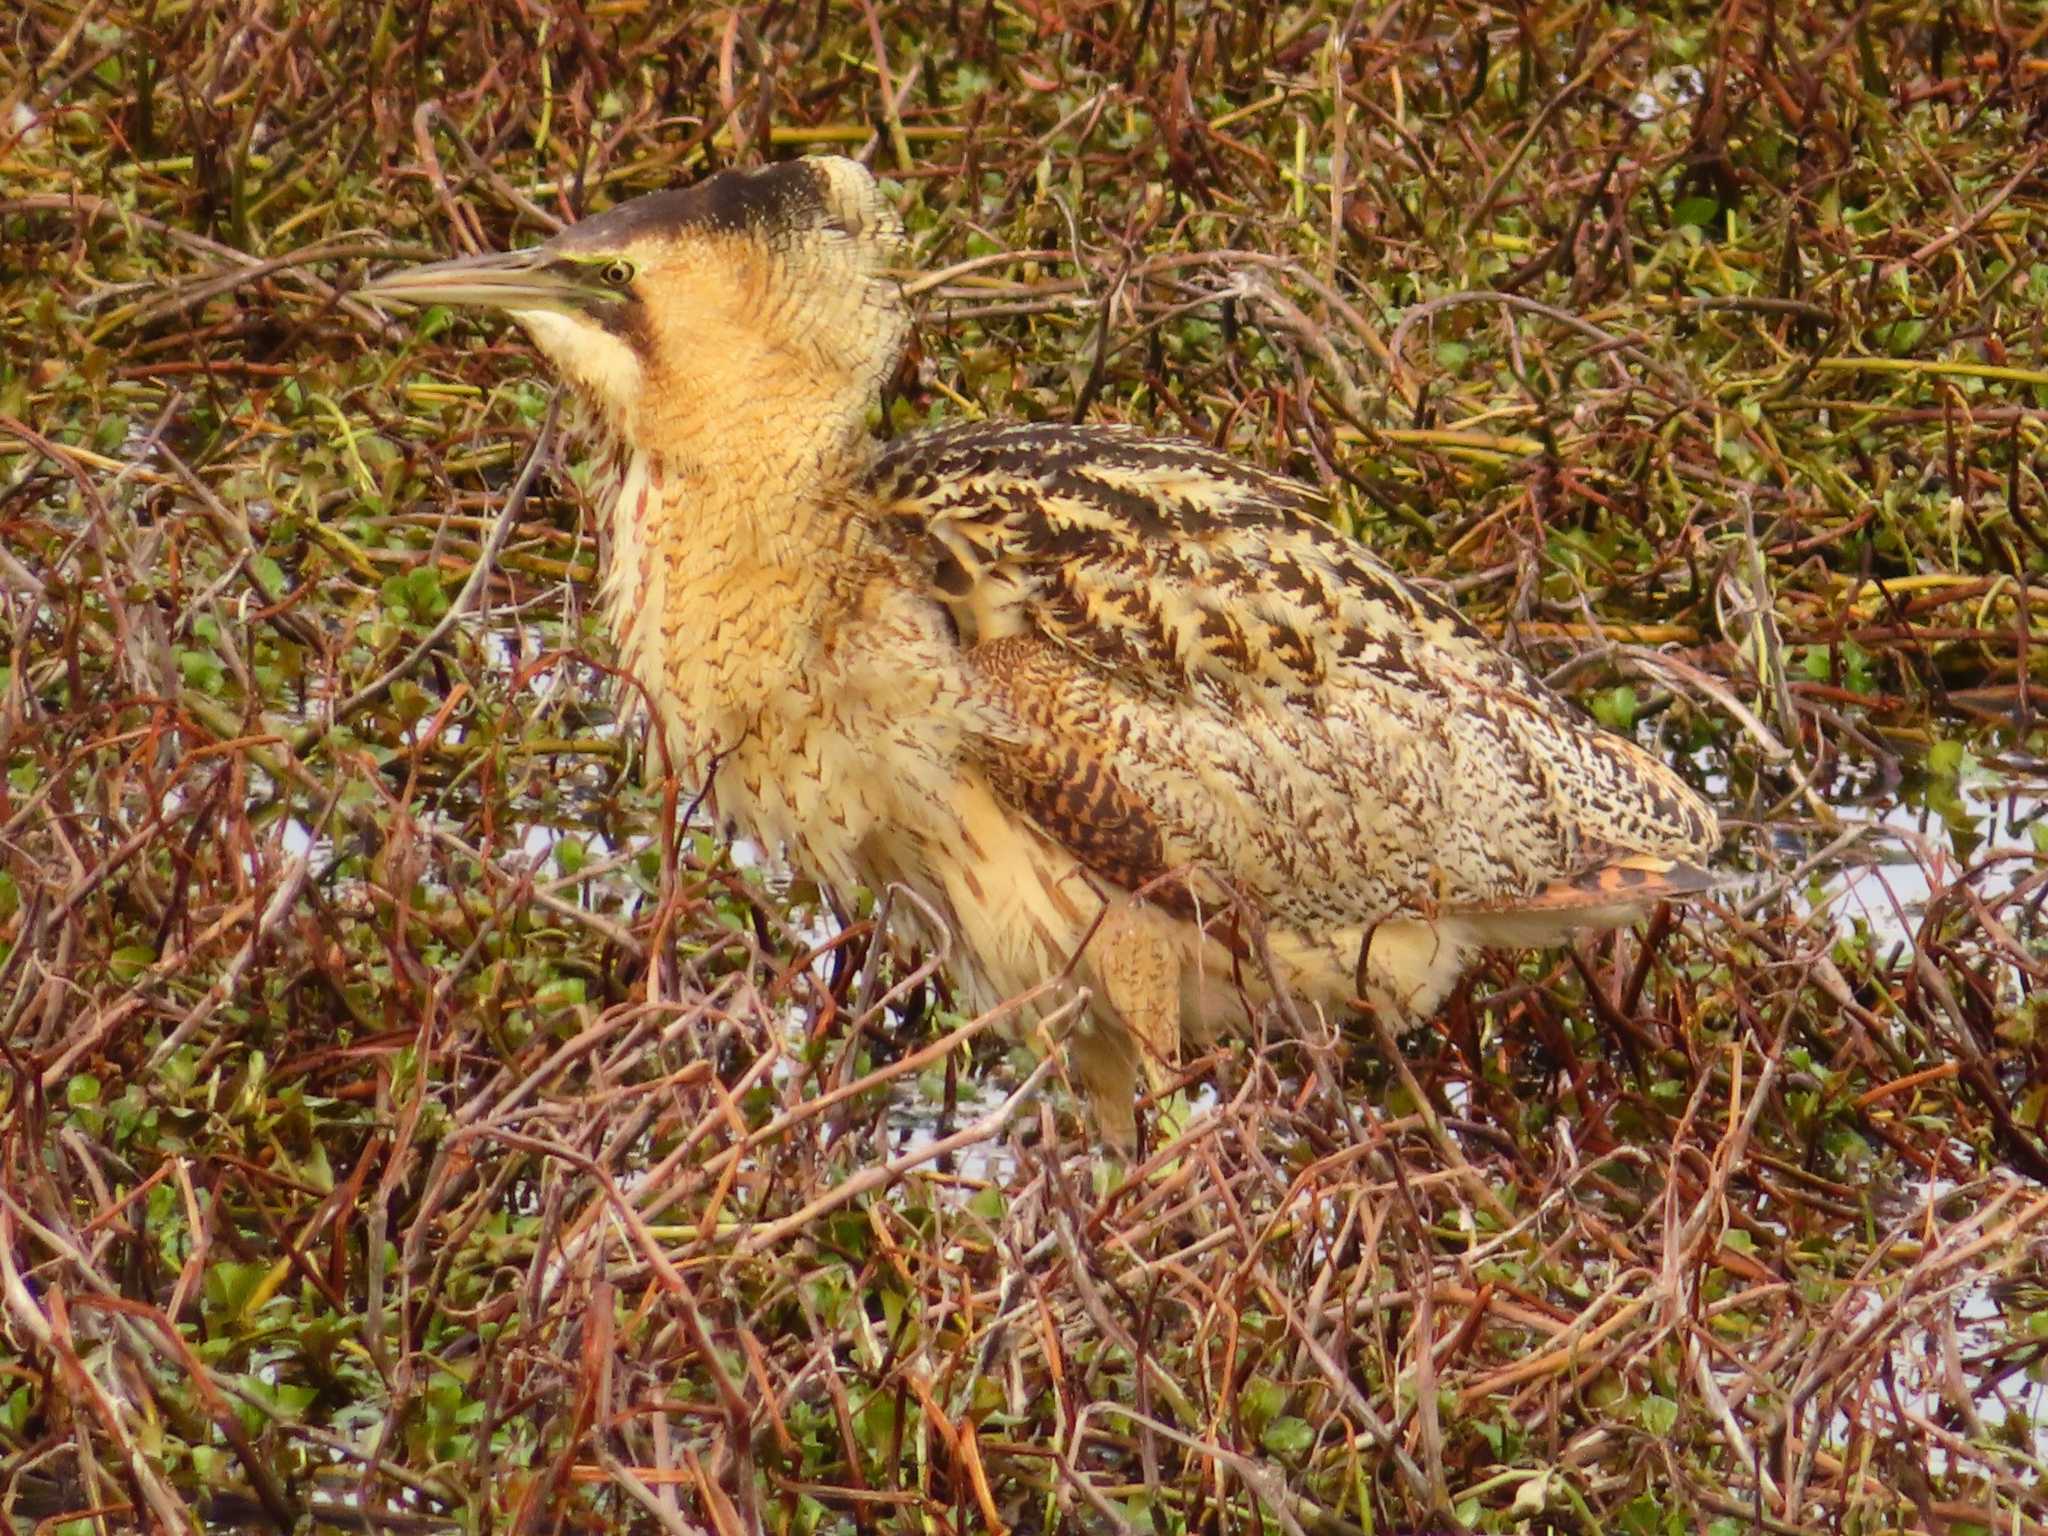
{"x":1911,"y":846}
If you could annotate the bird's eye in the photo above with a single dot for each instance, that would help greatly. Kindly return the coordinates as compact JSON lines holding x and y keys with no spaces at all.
{"x":616,"y":273}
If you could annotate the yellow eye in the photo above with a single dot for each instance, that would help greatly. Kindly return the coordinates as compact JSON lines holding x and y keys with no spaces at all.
{"x":616,"y":273}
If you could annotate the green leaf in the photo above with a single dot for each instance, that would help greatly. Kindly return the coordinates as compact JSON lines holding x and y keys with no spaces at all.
{"x":1659,"y":1415}
{"x":230,"y":1284}
{"x":563,"y":992}
{"x":110,"y":432}
{"x":1616,"y":708}
{"x":203,"y":670}
{"x":1901,"y":336}
{"x":269,"y":575}
{"x":1288,"y":1436}
{"x":1263,"y":1398}
{"x":14,"y":1413}
{"x":877,"y":1421}
{"x":1856,"y":668}
{"x":416,"y":594}
{"x":1701,"y":212}
{"x":989,"y":1205}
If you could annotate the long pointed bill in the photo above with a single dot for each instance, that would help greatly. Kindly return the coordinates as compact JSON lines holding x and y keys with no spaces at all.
{"x":496,"y":280}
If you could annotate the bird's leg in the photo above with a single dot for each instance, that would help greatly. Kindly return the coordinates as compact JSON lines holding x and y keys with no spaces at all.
{"x":1138,"y":974}
{"x":1105,"y":1060}
{"x":1137,"y":977}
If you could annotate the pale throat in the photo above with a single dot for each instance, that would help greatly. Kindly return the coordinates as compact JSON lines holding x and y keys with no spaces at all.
{"x":753,"y":429}
{"x":728,"y":536}
{"x":750,"y":463}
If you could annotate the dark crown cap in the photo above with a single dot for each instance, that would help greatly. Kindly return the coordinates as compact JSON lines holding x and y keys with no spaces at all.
{"x":789,"y":195}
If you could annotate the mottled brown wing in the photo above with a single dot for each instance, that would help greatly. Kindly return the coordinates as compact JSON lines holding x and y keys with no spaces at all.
{"x":1042,"y":759}
{"x":1184,"y":663}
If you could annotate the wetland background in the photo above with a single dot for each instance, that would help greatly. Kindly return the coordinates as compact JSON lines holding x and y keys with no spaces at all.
{"x":401,"y":1130}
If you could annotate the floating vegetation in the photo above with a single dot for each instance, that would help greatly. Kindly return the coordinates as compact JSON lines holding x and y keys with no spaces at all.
{"x":415,"y":1119}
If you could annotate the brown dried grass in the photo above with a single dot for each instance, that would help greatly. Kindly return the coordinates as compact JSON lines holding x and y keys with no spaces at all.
{"x":406,"y":1131}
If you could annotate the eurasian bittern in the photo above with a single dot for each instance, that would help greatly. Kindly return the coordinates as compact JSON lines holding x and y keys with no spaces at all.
{"x":1080,"y":689}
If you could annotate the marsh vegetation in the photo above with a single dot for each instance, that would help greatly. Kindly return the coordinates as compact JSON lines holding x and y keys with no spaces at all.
{"x":415,"y":1119}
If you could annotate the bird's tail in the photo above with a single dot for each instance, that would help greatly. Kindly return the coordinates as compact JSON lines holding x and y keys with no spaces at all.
{"x":1610,"y":894}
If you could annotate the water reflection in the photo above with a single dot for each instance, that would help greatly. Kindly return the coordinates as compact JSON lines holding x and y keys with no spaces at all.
{"x":1914,"y":844}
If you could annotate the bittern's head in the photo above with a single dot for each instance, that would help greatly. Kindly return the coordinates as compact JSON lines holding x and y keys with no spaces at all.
{"x":676,"y":312}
